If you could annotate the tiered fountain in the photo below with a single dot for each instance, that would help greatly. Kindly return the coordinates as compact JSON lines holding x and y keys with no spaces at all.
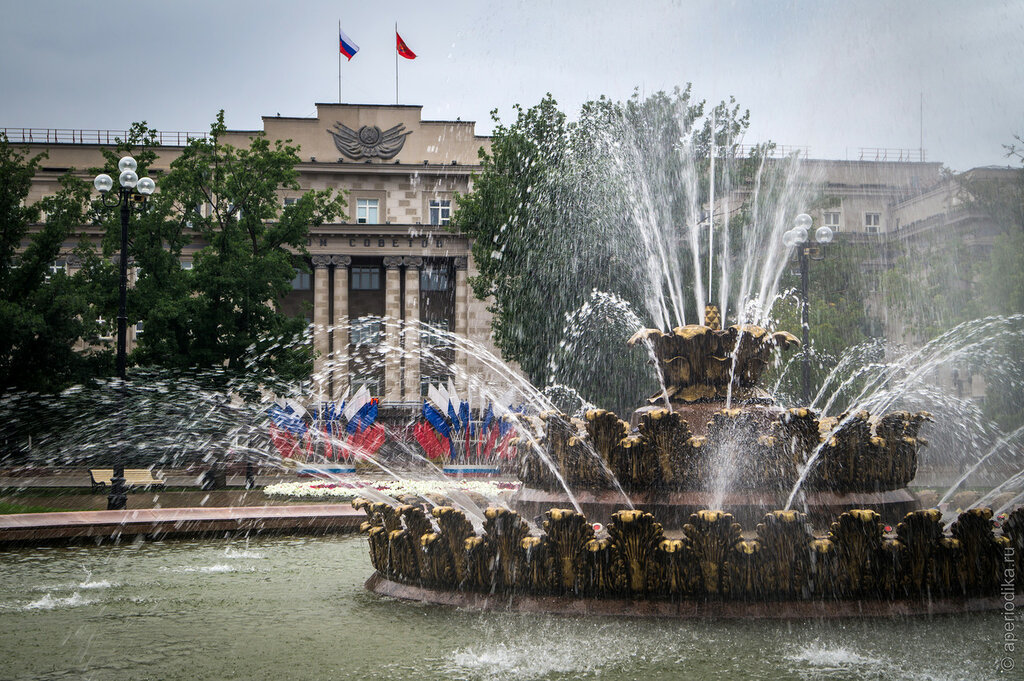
{"x":713,"y":439}
{"x":716,"y":441}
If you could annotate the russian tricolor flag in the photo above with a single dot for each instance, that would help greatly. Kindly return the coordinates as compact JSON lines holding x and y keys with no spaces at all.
{"x":348,"y":48}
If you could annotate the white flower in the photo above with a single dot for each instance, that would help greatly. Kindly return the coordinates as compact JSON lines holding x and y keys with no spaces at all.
{"x":322,"y":489}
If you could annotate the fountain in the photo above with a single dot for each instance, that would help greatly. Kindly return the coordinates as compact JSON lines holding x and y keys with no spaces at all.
{"x":678,"y":484}
{"x":721,"y":442}
{"x":672,"y":511}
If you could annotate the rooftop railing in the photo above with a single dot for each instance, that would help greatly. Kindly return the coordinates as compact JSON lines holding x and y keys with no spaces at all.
{"x":778,"y":151}
{"x":898,"y":155}
{"x":72,"y":136}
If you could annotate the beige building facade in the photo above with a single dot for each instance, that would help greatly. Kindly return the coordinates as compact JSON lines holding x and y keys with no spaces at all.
{"x":387,"y":295}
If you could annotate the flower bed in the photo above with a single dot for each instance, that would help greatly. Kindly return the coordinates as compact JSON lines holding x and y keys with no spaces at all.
{"x":343,"y":491}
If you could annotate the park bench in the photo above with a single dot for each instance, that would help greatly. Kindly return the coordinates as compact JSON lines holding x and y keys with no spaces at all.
{"x":133,"y":477}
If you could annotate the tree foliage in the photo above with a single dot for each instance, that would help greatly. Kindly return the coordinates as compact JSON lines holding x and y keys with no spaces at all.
{"x":222,"y":312}
{"x":837,"y":315}
{"x":561,"y":210}
{"x":947,"y":280}
{"x":43,"y":313}
{"x":1002,"y":285}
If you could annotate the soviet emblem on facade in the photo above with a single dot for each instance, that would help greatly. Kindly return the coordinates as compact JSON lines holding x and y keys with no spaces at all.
{"x":369,"y":141}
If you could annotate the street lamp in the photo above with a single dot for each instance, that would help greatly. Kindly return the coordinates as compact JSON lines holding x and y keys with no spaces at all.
{"x":798,"y":238}
{"x":131,"y":195}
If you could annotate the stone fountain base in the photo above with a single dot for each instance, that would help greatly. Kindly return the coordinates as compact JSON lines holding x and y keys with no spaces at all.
{"x":683,"y":609}
{"x":673,"y":509}
{"x":713,"y":568}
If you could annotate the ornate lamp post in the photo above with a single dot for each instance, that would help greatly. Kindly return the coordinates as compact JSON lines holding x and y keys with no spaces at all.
{"x":798,"y":237}
{"x":132,"y":195}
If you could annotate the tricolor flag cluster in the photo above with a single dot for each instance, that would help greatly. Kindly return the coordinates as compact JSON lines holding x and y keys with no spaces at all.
{"x":348,"y":47}
{"x":335,"y":432}
{"x":448,"y":431}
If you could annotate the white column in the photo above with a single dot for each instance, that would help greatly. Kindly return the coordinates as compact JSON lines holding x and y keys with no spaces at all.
{"x":412,"y":328}
{"x":339,"y":339}
{"x":392,"y":329}
{"x":321,"y":318}
{"x":462,"y":320}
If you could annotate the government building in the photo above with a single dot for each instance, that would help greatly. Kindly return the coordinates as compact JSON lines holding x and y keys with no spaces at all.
{"x":389,"y":285}
{"x":388,"y":296}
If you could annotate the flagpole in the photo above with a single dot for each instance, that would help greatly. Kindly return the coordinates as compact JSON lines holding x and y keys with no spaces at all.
{"x":339,"y":62}
{"x":396,"y":63}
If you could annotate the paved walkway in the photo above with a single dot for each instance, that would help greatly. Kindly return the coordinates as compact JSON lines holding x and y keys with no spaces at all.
{"x":176,"y":522}
{"x":179,"y":511}
{"x":72,"y":478}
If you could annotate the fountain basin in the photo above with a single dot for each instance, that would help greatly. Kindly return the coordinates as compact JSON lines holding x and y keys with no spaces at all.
{"x":747,"y":462}
{"x":712,"y":567}
{"x":673,"y":509}
{"x":630,"y":607}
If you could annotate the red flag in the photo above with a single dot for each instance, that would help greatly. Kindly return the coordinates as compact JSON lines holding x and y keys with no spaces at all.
{"x":328,"y":450}
{"x":403,"y":49}
{"x":431,"y":442}
{"x":283,"y":441}
{"x":309,"y":446}
{"x":366,"y":442}
{"x":492,"y":439}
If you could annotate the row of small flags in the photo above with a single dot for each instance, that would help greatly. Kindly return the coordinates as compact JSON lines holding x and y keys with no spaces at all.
{"x":448,"y":430}
{"x":349,"y":48}
{"x":349,"y":429}
{"x":359,"y":435}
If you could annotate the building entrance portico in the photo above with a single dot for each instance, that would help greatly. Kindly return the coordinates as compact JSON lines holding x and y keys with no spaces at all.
{"x":383,"y":320}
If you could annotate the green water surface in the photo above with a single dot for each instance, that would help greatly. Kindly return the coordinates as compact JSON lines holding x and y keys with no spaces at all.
{"x":294,"y":608}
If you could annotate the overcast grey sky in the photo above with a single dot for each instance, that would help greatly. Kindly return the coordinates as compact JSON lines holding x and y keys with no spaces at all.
{"x":833,"y":76}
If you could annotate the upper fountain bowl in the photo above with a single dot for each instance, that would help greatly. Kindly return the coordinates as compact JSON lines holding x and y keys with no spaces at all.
{"x":703,"y":363}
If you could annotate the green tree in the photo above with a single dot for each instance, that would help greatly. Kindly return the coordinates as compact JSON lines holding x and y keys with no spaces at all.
{"x":1002,"y":290}
{"x":223,"y":312}
{"x":563,"y":209}
{"x":934,"y":288}
{"x":1003,"y":280}
{"x":837,"y":316}
{"x":43,"y":314}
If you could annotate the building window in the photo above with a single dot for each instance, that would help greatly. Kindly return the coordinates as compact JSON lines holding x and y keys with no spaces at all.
{"x":435,"y":334}
{"x":186,"y":264}
{"x":44,"y":215}
{"x":832,"y":220}
{"x":427,"y":381}
{"x":289,"y":202}
{"x":366,"y":331}
{"x":872,"y":222}
{"x":302,"y":281}
{"x":366,"y":211}
{"x":371,"y":382}
{"x":195,"y":213}
{"x":57,"y":266}
{"x":138,"y":328}
{"x":440,"y":212}
{"x":105,"y":330}
{"x":365,"y":278}
{"x":434,"y":279}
